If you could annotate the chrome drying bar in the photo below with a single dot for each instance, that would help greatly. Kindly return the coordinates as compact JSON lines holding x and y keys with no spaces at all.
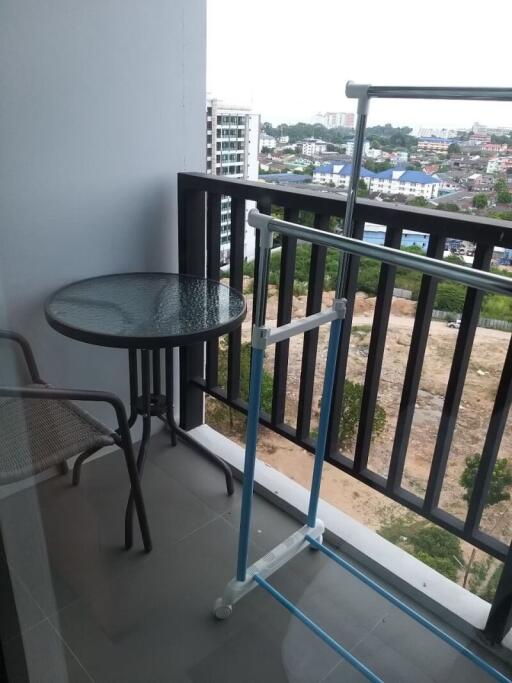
{"x":489,"y":282}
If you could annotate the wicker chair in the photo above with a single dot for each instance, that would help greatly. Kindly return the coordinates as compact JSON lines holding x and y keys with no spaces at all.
{"x":40,"y":428}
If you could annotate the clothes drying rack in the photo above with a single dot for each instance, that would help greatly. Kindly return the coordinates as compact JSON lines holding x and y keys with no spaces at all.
{"x":311,"y":534}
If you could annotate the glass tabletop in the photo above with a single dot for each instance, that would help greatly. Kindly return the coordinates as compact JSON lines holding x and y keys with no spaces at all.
{"x":145,"y":310}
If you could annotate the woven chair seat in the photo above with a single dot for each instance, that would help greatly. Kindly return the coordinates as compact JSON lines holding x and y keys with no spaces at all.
{"x":37,"y":434}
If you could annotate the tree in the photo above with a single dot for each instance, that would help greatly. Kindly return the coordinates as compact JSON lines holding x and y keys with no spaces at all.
{"x":450,"y":297}
{"x":362,"y":190}
{"x":418,"y":201}
{"x":454,"y":148}
{"x":504,"y":197}
{"x":480,"y":201}
{"x":500,"y":481}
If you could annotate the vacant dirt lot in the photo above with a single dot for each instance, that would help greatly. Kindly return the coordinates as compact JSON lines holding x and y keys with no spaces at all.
{"x":358,"y":500}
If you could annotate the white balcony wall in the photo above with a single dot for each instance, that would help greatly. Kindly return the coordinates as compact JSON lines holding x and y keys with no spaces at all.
{"x":102,"y":105}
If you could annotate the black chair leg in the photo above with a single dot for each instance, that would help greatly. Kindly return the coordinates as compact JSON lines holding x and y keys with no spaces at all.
{"x":136,"y":496}
{"x":77,"y":467}
{"x":63,"y":467}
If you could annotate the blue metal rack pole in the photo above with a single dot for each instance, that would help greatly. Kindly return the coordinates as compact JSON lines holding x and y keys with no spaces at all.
{"x":253,"y":416}
{"x":325,"y":413}
{"x":329,"y":640}
{"x":410,"y":612}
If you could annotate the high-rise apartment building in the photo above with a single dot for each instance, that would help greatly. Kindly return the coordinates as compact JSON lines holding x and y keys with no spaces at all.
{"x":336,"y":119}
{"x":232,"y":144}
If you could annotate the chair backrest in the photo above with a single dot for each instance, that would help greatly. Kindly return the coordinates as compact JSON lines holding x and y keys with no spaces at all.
{"x":13,"y":369}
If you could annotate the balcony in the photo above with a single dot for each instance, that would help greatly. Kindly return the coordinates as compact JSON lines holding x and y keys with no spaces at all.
{"x":103,"y":129}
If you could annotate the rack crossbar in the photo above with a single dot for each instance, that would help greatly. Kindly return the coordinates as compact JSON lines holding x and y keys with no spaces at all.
{"x":317,"y":630}
{"x":489,"y":282}
{"x":497,"y":675}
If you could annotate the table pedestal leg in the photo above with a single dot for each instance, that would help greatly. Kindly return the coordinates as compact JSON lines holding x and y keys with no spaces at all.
{"x":176,"y":430}
{"x":151,"y":403}
{"x":143,"y":408}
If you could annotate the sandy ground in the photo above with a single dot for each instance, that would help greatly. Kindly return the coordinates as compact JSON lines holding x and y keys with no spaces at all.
{"x":345,"y":492}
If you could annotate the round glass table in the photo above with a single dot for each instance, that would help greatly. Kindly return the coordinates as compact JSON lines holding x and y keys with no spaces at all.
{"x":145,"y":313}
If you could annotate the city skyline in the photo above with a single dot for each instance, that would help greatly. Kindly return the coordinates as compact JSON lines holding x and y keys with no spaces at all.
{"x":296,"y":55}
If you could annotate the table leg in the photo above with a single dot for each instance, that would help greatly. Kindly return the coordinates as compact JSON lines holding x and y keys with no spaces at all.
{"x":176,"y":430}
{"x":146,"y":433}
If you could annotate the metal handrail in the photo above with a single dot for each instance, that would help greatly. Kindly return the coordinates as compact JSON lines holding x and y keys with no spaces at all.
{"x":489,"y":282}
{"x":355,"y":90}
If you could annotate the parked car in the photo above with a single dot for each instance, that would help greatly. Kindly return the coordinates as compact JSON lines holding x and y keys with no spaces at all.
{"x":454,"y":323}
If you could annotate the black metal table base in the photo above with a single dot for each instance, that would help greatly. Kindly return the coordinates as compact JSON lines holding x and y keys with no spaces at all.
{"x":153,"y":403}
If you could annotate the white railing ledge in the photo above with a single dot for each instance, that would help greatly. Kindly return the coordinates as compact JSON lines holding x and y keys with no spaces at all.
{"x":455,"y":605}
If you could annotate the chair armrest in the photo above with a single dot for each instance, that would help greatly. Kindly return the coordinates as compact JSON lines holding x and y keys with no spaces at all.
{"x":27,"y":353}
{"x":64,"y":394}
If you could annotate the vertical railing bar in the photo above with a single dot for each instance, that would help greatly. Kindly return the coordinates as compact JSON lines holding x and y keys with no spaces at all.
{"x":213,"y":229}
{"x":191,"y":257}
{"x":236,"y":276}
{"x":461,"y":356}
{"x":309,"y":349}
{"x":491,"y":447}
{"x":499,"y":621}
{"x":376,"y":353}
{"x":412,"y":376}
{"x":341,"y":364}
{"x":284,"y":316}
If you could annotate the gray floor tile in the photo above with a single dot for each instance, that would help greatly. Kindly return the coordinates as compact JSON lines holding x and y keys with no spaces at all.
{"x":73,"y":537}
{"x":401,"y":649}
{"x":156,"y":617}
{"x":47,"y":658}
{"x":194,"y":472}
{"x":269,"y":526}
{"x":23,"y":615}
{"x":131,"y":617}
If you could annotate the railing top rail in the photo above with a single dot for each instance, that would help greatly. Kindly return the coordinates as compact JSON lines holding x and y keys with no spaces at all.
{"x":357,"y":90}
{"x":470,"y":277}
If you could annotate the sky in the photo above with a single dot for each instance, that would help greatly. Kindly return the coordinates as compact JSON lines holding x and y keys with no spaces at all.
{"x":289,"y":59}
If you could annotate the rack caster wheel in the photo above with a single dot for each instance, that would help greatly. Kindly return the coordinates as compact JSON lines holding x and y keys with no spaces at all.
{"x":320,"y":540}
{"x":222,"y":611}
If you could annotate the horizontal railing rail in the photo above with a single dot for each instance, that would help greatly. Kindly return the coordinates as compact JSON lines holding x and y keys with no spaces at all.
{"x":199,"y":202}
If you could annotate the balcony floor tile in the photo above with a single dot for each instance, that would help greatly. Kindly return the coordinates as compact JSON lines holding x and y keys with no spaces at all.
{"x":123,"y":617}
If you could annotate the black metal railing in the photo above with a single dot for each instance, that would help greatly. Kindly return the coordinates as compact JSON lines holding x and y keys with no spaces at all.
{"x":199,"y":200}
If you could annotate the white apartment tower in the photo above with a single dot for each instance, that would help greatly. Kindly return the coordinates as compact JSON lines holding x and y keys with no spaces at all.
{"x":232,"y":145}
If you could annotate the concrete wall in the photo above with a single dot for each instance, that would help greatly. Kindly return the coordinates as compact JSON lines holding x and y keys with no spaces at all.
{"x":102,"y":104}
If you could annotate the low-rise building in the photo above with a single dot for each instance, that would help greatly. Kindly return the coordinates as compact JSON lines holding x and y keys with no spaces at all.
{"x":390,"y":182}
{"x":337,"y":173}
{"x":267,"y":141}
{"x":434,"y":144}
{"x":284,"y":139}
{"x":494,"y":147}
{"x":499,"y":164}
{"x":349,"y":147}
{"x":408,"y":183}
{"x":376,"y":234}
{"x":312,"y":147}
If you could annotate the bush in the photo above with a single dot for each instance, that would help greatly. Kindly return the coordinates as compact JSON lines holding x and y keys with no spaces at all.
{"x":480,"y":201}
{"x":434,"y":546}
{"x":351,"y":412}
{"x":221,"y":416}
{"x":450,"y":297}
